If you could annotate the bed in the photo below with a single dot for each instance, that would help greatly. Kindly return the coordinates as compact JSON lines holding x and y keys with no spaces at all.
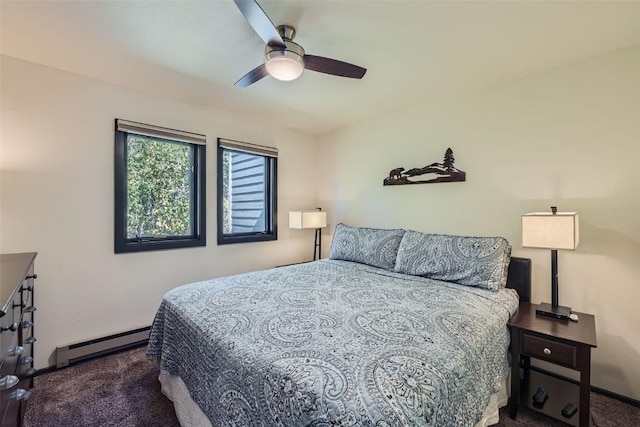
{"x":364,"y":338}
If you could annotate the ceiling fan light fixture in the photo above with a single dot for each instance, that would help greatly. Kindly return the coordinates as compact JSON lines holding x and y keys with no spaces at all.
{"x":285,"y":64}
{"x":285,"y":67}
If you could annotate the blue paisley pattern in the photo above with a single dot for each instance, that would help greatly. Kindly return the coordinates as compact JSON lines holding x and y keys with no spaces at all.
{"x":335,"y":343}
{"x":371,"y":246}
{"x":471,"y":261}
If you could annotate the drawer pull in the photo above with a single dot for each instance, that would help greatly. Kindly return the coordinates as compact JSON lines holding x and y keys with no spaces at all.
{"x":30,"y":309}
{"x":8,"y":382}
{"x":27,"y":360}
{"x":32,"y":276}
{"x":26,"y":324}
{"x":31,"y":340}
{"x":15,"y":351}
{"x":547,"y":351}
{"x":20,"y":394}
{"x":12,"y":328}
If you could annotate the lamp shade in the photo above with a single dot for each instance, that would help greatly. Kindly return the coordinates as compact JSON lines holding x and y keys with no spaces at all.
{"x":307,"y":219}
{"x":550,"y":231}
{"x":285,"y":68}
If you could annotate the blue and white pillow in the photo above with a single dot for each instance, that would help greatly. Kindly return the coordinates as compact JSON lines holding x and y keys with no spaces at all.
{"x":371,"y":246}
{"x":473,"y":261}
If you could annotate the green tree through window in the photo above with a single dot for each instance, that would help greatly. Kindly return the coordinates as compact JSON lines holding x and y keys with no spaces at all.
{"x":159,"y":187}
{"x":226,"y":199}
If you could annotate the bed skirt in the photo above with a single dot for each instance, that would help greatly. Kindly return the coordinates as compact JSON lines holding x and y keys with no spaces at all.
{"x":189,"y":413}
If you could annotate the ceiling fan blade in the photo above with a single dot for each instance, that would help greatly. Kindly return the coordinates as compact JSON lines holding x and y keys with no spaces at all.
{"x":333,"y":66}
{"x":252,"y":76}
{"x":260,"y":22}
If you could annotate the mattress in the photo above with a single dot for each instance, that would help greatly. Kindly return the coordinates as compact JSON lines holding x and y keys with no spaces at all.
{"x":189,"y":413}
{"x":335,"y":343}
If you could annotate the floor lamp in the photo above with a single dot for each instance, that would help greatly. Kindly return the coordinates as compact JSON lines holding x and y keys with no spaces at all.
{"x":551,"y":230}
{"x":310,"y":219}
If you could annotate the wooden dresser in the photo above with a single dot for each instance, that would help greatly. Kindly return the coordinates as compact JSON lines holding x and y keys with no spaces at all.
{"x":16,"y":336}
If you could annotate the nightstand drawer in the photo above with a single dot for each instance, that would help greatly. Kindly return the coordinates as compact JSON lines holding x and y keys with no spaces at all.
{"x":549,"y":350}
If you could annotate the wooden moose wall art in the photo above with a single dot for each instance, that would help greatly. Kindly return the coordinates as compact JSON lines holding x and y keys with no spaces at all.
{"x":445,"y":172}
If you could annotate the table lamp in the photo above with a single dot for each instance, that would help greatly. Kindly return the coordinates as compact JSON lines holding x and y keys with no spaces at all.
{"x":310,"y":219}
{"x":551,"y":230}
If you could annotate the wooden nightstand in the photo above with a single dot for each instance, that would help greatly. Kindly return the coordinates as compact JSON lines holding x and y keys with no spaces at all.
{"x":564,"y":343}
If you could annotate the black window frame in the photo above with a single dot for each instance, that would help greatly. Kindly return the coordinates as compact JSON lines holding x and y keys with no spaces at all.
{"x":271,"y":199}
{"x":122,"y":244}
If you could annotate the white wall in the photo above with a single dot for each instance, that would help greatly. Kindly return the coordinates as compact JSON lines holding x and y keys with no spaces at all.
{"x":568,"y":137}
{"x":57,"y":150}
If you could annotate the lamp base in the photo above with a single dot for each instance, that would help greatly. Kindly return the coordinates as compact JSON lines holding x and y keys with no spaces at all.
{"x":559,"y":312}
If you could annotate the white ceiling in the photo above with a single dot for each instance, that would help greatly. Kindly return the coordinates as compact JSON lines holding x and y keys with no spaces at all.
{"x":415,"y":51}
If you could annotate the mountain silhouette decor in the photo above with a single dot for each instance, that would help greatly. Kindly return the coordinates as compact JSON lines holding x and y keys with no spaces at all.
{"x":439,"y":172}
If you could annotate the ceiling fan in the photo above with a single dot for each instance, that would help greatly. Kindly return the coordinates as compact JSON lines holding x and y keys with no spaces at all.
{"x":284,"y":59}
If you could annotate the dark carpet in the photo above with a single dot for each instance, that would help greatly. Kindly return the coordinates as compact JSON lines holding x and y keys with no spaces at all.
{"x":117,"y":390}
{"x":123,"y":390}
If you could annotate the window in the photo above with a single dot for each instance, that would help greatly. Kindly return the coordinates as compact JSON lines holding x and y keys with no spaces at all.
{"x":246,"y":192}
{"x":159,"y":188}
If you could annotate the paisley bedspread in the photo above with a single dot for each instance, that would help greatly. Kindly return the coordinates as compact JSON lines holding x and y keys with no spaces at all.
{"x":335,"y":343}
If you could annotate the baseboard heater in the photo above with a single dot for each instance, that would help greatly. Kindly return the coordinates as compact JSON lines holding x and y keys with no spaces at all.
{"x":100,"y":346}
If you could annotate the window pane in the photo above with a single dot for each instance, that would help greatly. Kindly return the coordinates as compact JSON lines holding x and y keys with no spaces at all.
{"x":159,"y":188}
{"x":244,"y":193}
